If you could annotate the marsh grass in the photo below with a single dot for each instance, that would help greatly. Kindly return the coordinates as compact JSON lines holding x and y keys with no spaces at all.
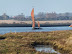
{"x":24,"y":42}
{"x":2,"y":38}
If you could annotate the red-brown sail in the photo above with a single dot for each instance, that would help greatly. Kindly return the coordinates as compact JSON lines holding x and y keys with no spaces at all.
{"x":70,"y":26}
{"x":38,"y":24}
{"x":32,"y":15}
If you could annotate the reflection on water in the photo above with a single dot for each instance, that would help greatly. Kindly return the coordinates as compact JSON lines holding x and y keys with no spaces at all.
{"x":4,"y":30}
{"x":46,"y":48}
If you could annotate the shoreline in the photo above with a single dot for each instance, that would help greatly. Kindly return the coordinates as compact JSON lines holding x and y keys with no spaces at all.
{"x":16,"y":23}
{"x":30,"y":25}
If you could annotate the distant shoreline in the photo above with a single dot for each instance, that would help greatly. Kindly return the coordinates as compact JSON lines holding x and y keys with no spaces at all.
{"x":15,"y":23}
{"x":30,"y":25}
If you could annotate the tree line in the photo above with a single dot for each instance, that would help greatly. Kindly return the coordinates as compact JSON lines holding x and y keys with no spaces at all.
{"x":41,"y":16}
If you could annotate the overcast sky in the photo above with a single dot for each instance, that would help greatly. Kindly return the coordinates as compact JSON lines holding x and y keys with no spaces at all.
{"x":15,"y":7}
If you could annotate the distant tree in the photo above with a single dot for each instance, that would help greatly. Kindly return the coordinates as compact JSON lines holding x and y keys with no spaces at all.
{"x":41,"y":15}
{"x":1,"y":18}
{"x":51,"y":15}
{"x":5,"y":17}
{"x":20,"y":17}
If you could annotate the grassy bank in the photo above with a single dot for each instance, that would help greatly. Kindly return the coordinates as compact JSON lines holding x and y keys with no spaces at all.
{"x":24,"y":42}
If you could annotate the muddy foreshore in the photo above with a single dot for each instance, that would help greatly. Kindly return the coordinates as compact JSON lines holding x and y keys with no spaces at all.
{"x":24,"y":42}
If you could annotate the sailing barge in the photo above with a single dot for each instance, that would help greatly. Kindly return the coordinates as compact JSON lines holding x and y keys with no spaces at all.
{"x":70,"y":25}
{"x":33,"y":20}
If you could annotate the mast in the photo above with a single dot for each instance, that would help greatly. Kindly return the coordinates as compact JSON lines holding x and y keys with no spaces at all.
{"x":32,"y":16}
{"x":38,"y":24}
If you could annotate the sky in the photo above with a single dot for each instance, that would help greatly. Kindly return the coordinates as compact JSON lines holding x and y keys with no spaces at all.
{"x":15,"y":7}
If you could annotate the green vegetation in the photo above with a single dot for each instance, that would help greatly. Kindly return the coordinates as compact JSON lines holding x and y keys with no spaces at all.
{"x":24,"y":42}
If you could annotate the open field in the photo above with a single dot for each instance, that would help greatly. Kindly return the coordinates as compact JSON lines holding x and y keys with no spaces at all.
{"x":30,"y":22}
{"x":24,"y":42}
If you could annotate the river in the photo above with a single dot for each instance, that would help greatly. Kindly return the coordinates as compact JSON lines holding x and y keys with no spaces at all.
{"x":4,"y":30}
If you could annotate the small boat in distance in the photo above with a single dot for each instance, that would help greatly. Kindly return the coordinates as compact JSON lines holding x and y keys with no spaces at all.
{"x":33,"y":20}
{"x":70,"y":25}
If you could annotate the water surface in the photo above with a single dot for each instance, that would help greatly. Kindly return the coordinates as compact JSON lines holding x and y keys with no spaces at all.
{"x":4,"y":30}
{"x":46,"y":48}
